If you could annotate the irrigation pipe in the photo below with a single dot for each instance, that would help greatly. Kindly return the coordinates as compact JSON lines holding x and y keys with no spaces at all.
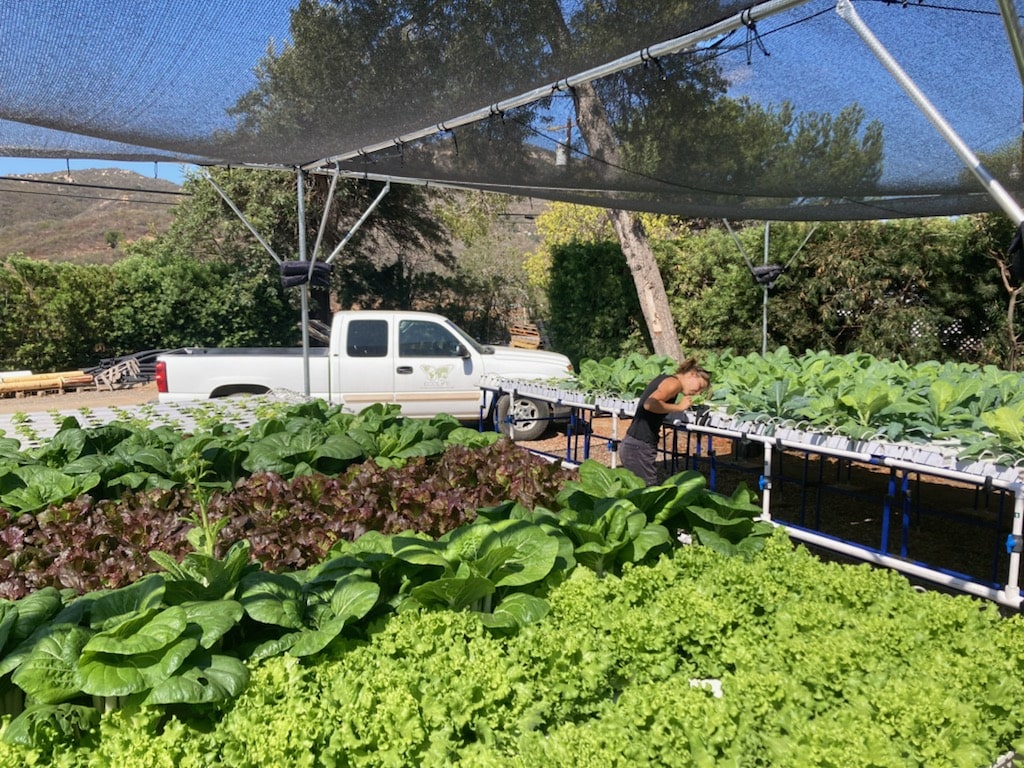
{"x":1008,"y":596}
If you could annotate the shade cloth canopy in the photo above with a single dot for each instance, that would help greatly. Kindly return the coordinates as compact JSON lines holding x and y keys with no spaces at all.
{"x":773,"y":111}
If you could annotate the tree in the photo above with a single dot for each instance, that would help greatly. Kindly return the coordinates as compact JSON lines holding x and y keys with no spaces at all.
{"x":431,"y":59}
{"x":168,"y":299}
{"x":598,"y":312}
{"x":54,"y":318}
{"x":916,"y":289}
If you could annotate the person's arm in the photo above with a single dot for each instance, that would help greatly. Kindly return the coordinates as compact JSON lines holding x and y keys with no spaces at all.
{"x":663,"y":399}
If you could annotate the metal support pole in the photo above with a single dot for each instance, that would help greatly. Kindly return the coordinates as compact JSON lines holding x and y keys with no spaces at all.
{"x":323,"y":218}
{"x":358,"y":224}
{"x":1008,"y":10}
{"x":300,"y":187}
{"x":764,"y":302}
{"x":846,"y":11}
{"x":241,"y":216}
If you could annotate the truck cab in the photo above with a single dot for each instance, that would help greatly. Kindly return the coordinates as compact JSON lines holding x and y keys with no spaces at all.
{"x":427,"y":364}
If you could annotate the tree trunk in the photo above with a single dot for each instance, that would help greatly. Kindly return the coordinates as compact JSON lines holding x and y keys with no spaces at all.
{"x":595,"y":127}
{"x":650,"y":289}
{"x":1013,"y":346}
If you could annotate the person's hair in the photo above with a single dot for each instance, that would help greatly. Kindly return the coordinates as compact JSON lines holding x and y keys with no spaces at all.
{"x":690,"y":365}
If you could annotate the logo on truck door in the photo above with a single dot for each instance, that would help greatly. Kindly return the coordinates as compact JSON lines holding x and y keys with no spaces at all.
{"x":437,"y":375}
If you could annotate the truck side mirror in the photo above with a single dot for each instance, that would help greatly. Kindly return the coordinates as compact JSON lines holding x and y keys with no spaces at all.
{"x":462,"y":351}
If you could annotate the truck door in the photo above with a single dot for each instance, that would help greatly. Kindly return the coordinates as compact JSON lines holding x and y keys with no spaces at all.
{"x":434,"y":371}
{"x":366,"y":366}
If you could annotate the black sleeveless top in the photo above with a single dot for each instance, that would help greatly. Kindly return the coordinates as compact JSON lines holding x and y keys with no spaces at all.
{"x":646,"y":426}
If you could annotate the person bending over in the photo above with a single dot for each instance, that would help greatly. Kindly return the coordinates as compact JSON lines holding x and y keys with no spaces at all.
{"x":638,"y":449}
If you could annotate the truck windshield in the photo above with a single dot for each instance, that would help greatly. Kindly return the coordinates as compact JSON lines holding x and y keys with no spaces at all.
{"x":480,"y":348}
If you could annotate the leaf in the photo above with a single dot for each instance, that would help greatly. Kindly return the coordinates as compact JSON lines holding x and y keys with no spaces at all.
{"x":335,"y":453}
{"x":68,"y":444}
{"x":203,"y":577}
{"x":454,"y":593}
{"x":272,"y":598}
{"x":420,"y":552}
{"x":522,"y":609}
{"x":146,"y":632}
{"x":204,"y":679}
{"x":49,"y":674}
{"x":472,"y":438}
{"x":531,"y":553}
{"x":44,"y":486}
{"x":113,"y":607}
{"x":8,"y":619}
{"x":651,"y":538}
{"x":156,"y":460}
{"x":214,"y":618}
{"x":40,"y":726}
{"x":354,"y":597}
{"x":604,"y":482}
{"x":281,"y":452}
{"x":33,"y":611}
{"x":116,"y":674}
{"x":106,"y":466}
{"x":311,"y":641}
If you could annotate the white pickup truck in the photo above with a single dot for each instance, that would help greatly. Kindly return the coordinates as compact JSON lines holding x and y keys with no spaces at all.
{"x":422,"y":361}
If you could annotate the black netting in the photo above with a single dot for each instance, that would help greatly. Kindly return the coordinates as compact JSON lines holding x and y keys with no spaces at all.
{"x":785,"y":116}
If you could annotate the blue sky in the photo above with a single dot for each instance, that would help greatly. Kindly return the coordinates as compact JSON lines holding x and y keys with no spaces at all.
{"x":19,"y":166}
{"x":957,"y":55}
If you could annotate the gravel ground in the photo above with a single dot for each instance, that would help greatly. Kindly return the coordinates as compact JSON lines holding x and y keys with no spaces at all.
{"x":34,"y":418}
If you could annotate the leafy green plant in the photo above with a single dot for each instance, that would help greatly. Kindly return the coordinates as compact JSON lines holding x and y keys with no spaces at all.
{"x":866,"y":398}
{"x":694,"y":659}
{"x":180,"y":636}
{"x":624,"y":377}
{"x":291,"y":522}
{"x":304,"y":439}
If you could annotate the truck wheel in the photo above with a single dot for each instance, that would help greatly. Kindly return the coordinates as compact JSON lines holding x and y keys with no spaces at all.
{"x":529,"y":418}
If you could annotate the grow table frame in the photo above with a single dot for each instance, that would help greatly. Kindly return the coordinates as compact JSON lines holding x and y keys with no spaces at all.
{"x":902,"y":461}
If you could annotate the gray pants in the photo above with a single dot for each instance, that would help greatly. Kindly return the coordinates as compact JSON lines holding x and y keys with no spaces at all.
{"x":640,"y":458}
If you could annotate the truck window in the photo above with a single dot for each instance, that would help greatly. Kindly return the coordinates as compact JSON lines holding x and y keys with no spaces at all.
{"x":367,"y":338}
{"x":423,"y":338}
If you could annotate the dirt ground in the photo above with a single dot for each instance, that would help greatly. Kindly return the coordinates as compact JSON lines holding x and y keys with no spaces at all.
{"x":82,"y":398}
{"x":953,"y":526}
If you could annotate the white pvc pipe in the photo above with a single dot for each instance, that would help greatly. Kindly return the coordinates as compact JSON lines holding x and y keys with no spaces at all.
{"x":846,"y":11}
{"x":1007,"y":597}
{"x":1013,"y":574}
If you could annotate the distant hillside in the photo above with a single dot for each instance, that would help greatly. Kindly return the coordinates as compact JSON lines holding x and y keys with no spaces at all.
{"x":70,"y":221}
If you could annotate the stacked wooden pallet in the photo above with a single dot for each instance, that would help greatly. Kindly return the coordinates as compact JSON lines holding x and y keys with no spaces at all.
{"x":525,"y":335}
{"x":37,"y":383}
{"x":117,"y":374}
